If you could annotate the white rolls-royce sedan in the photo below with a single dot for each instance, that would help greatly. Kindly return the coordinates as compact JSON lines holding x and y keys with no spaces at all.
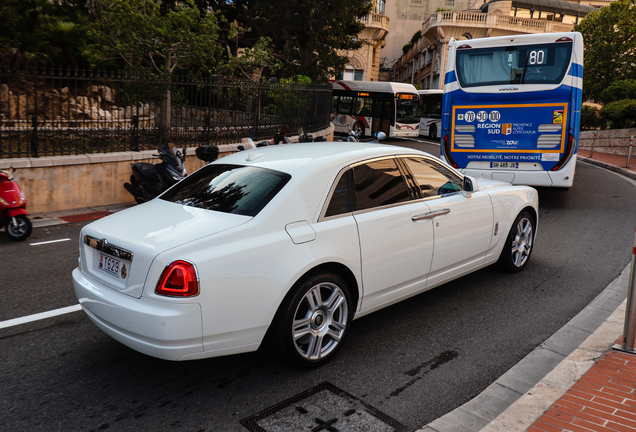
{"x":287,"y":245}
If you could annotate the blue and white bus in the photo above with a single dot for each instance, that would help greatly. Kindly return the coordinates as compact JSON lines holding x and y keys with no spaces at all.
{"x":512,"y":107}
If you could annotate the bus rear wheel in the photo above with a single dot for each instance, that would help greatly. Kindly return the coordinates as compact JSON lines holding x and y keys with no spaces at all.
{"x":432,"y":132}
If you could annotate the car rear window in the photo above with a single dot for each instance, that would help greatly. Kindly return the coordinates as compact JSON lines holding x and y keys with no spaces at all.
{"x":243,"y":190}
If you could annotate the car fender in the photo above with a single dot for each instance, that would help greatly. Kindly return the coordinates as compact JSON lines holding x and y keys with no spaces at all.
{"x":245,"y":278}
{"x":508,"y":202}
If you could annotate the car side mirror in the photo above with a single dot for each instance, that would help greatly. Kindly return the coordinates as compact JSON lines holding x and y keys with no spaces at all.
{"x":468,"y":186}
{"x":380,"y":136}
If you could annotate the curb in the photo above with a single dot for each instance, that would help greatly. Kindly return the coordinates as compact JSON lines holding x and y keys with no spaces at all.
{"x":608,"y":166}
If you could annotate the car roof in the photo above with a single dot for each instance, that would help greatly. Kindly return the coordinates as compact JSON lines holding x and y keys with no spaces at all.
{"x":300,"y":158}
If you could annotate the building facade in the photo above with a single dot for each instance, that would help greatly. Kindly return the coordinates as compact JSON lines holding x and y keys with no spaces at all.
{"x":364,"y":63}
{"x":424,"y":64}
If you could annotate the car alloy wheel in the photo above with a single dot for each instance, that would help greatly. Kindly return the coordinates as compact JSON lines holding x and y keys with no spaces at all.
{"x":518,"y":247}
{"x":314,"y":320}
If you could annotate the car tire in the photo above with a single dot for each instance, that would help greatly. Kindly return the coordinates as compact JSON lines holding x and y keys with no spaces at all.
{"x":518,"y":248}
{"x":312,"y":321}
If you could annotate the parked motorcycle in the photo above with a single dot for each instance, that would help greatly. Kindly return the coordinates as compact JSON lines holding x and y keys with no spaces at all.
{"x":148,"y":181}
{"x":13,"y":214}
{"x":354,"y":136}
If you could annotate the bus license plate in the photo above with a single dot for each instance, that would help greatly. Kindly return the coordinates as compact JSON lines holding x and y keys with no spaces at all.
{"x":108,"y":264}
{"x":504,"y":164}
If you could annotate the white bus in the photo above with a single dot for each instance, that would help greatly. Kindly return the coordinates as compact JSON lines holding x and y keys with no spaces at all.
{"x":392,"y":108}
{"x":512,"y":107}
{"x":430,"y":113}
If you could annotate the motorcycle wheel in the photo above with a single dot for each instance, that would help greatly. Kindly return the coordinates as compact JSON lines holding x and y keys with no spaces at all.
{"x":20,"y":230}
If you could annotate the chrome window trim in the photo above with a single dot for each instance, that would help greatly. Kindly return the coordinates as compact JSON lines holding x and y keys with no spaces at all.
{"x":102,"y":245}
{"x":429,"y":159}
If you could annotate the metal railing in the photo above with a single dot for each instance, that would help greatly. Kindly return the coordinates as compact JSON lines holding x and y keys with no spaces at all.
{"x":62,"y":112}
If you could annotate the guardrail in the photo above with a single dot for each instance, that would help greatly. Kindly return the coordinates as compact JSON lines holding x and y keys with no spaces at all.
{"x":56,"y":112}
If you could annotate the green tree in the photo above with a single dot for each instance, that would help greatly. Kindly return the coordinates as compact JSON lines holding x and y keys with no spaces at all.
{"x":618,"y":90}
{"x":303,"y":35}
{"x":147,"y":38}
{"x":610,"y":46}
{"x":589,"y":117}
{"x":41,"y":32}
{"x":620,"y":114}
{"x":151,"y":38}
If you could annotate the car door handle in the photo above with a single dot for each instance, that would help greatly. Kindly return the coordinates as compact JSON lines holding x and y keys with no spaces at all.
{"x":429,"y":215}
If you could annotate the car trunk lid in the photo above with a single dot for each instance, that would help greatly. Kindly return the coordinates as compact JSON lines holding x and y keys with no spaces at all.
{"x":118,"y":250}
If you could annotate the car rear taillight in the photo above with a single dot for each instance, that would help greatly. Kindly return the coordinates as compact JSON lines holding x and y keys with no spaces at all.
{"x":179,"y":279}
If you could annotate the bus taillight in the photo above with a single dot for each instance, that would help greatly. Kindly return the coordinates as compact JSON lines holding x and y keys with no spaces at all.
{"x":564,"y":39}
{"x":447,"y":152}
{"x":567,"y":154}
{"x":464,"y":46}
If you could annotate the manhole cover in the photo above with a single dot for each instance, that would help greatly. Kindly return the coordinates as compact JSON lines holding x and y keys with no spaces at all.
{"x":322,"y":408}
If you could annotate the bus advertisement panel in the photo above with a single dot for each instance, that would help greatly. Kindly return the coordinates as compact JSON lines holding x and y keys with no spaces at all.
{"x":512,"y":108}
{"x":372,"y":106}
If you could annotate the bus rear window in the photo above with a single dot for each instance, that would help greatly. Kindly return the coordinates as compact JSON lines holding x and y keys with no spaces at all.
{"x":527,"y":64}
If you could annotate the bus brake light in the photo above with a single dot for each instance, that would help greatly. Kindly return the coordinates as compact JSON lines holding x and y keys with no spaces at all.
{"x":447,"y":153}
{"x":564,"y":39}
{"x":567,"y":154}
{"x":464,"y":46}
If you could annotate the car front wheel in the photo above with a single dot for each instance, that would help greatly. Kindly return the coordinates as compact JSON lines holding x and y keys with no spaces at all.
{"x":518,"y":247}
{"x":313,"y":321}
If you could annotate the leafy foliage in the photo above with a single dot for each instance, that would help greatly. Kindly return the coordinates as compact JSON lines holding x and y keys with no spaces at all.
{"x":610,"y":47}
{"x":147,"y":38}
{"x":304,"y":35}
{"x":589,"y":117}
{"x":618,"y":90}
{"x":620,"y":114}
{"x":41,"y":32}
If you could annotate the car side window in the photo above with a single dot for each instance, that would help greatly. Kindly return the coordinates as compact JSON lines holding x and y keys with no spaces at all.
{"x":433,"y":179}
{"x":379,"y":183}
{"x":339,"y":202}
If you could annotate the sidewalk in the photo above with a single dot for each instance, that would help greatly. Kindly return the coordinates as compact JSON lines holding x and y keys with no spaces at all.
{"x":573,"y":382}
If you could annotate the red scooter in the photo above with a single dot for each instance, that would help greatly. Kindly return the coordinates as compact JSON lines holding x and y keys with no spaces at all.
{"x":13,"y":214}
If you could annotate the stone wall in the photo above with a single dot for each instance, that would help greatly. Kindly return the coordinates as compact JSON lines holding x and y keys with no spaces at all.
{"x":72,"y":182}
{"x":615,"y":141}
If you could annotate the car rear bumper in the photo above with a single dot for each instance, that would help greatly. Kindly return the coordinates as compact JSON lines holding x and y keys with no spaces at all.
{"x":165,"y":330}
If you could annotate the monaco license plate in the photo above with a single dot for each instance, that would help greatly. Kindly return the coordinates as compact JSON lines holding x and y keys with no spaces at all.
{"x":108,"y":264}
{"x":504,"y":165}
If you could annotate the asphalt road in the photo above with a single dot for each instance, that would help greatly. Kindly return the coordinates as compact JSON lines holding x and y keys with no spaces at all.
{"x":414,"y":361}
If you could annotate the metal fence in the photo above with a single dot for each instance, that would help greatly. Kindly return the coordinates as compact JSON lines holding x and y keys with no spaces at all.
{"x":62,"y":112}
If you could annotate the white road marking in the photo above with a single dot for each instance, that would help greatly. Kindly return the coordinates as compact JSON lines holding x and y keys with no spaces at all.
{"x":50,"y":241}
{"x":39,"y":316}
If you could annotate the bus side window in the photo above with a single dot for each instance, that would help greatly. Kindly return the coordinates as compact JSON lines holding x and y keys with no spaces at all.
{"x":345,"y":105}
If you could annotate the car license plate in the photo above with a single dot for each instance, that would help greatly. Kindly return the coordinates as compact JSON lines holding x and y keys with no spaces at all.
{"x":109,"y":265}
{"x":504,"y":164}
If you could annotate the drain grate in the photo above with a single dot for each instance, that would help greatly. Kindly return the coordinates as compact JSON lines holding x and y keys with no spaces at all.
{"x":324,"y":408}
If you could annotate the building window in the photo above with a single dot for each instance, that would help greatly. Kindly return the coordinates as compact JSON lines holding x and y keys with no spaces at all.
{"x":449,"y":2}
{"x":358,"y":75}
